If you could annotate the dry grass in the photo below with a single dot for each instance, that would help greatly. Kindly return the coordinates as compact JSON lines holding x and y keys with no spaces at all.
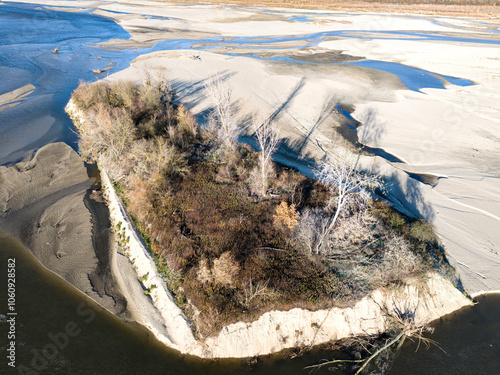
{"x":464,"y":8}
{"x":227,"y":253}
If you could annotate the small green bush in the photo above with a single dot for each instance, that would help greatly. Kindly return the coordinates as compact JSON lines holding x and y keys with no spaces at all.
{"x":396,"y":221}
{"x":422,"y":231}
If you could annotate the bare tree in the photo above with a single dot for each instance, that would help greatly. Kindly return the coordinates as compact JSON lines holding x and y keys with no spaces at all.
{"x":347,"y":186}
{"x":253,"y":290}
{"x":308,"y":230}
{"x":156,"y":157}
{"x":106,"y":137}
{"x":223,"y":117}
{"x":268,"y":141}
{"x":402,"y":326}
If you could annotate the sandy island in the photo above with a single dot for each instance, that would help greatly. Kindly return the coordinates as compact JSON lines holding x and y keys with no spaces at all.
{"x":449,"y":136}
{"x":440,"y":146}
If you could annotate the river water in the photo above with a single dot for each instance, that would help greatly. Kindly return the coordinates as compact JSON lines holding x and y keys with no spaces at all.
{"x":101,"y":344}
{"x":80,"y":337}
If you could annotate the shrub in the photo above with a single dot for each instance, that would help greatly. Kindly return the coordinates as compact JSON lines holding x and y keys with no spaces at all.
{"x":398,"y":262}
{"x":354,"y":230}
{"x":422,"y":231}
{"x":88,"y":95}
{"x":204,"y":275}
{"x":225,"y":269}
{"x":286,"y":215}
{"x":396,"y":221}
{"x":155,"y":158}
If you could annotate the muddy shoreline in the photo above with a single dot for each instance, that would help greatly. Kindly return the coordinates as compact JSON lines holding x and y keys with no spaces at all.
{"x":61,"y":218}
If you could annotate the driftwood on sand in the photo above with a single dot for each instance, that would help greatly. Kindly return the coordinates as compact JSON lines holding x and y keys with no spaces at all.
{"x":100,"y":71}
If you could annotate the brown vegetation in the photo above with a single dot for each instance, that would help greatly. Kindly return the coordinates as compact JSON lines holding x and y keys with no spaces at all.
{"x":228,"y":253}
{"x":467,"y":8}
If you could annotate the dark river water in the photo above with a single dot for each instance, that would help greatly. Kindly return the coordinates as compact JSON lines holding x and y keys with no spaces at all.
{"x":71,"y":330}
{"x":79,"y":337}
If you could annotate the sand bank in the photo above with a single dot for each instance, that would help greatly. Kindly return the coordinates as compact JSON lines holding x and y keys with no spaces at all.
{"x":13,"y":98}
{"x":448,"y":136}
{"x":278,"y":330}
{"x":304,"y":100}
{"x":49,"y":202}
{"x":275,"y":330}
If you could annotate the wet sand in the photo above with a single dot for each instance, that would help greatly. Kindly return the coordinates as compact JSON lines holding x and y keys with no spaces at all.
{"x":424,"y":91}
{"x":37,"y":83}
{"x":303,"y":96}
{"x":52,"y":205}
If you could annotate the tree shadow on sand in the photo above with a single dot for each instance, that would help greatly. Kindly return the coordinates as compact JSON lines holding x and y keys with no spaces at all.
{"x":328,"y":108}
{"x":194,"y":92}
{"x":293,"y":93}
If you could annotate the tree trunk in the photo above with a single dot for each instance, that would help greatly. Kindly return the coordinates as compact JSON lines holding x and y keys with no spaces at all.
{"x":330,"y":224}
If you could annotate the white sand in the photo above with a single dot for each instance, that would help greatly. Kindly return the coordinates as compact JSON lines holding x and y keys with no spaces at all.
{"x":452,"y":133}
{"x":14,"y":97}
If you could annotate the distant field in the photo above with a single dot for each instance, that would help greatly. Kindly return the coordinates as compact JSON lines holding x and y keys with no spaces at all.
{"x":470,"y":8}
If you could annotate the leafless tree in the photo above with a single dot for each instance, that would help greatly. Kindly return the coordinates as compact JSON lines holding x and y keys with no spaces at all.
{"x":308,"y":230}
{"x":105,"y":137}
{"x":347,"y":186}
{"x":252,"y":290}
{"x":156,"y":157}
{"x":222,"y":120}
{"x":268,"y":140}
{"x":402,"y":326}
